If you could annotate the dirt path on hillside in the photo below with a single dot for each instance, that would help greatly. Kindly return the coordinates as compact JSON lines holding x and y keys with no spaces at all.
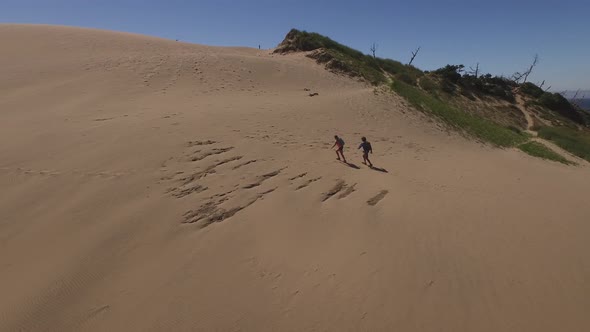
{"x":520,"y":103}
{"x":530,"y":123}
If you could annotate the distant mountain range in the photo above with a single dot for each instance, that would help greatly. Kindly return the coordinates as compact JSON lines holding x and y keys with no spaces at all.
{"x":581,"y":93}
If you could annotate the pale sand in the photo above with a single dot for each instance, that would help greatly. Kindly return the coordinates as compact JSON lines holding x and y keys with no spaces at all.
{"x":99,"y":131}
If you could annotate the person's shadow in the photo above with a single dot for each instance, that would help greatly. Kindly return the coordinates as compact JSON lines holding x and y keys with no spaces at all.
{"x":351,"y":165}
{"x":378,"y":169}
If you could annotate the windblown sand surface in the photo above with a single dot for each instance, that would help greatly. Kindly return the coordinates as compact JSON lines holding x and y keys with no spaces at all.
{"x":152,"y":185}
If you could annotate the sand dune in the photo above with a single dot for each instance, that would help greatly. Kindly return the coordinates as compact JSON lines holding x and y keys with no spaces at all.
{"x":153,"y":185}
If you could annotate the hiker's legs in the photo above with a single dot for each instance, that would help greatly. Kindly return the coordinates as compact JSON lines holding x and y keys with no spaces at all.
{"x":338,"y":154}
{"x":366,"y":159}
{"x":342,"y":154}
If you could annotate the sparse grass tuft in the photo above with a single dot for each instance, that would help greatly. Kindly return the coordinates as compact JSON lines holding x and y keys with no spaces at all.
{"x":474,"y":125}
{"x":539,"y":150}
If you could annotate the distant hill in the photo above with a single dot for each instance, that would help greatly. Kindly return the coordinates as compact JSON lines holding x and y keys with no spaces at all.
{"x":571,"y":93}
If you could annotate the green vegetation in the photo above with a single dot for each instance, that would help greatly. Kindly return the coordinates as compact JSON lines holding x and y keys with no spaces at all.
{"x":451,"y":81}
{"x":479,"y":127}
{"x":338,"y":57}
{"x":428,"y":84}
{"x":539,"y":150}
{"x":554,"y":102}
{"x":575,"y":141}
{"x":364,"y":67}
{"x":308,"y":41}
{"x":444,"y":93}
{"x":558,"y":103}
{"x":531,"y":89}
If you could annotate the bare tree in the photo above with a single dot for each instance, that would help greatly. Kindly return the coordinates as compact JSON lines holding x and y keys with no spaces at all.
{"x":516,"y":77}
{"x":541,"y":85}
{"x":549,"y":87}
{"x":575,"y":101}
{"x":374,"y":49}
{"x":576,"y":94}
{"x":414,"y":55}
{"x":474,"y":72}
{"x":530,"y":70}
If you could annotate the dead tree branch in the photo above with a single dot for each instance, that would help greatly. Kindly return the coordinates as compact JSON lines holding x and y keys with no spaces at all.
{"x":530,"y":70}
{"x":414,"y":54}
{"x":516,"y":77}
{"x":474,"y":72}
{"x":374,"y":49}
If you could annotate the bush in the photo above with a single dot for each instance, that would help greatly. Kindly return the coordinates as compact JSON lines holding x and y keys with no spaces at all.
{"x":514,"y":129}
{"x":558,"y":103}
{"x":471,"y":82}
{"x":451,"y":73}
{"x":406,"y":78}
{"x":531,"y":89}
{"x":448,"y":87}
{"x":485,"y":84}
{"x":428,"y":84}
{"x":309,"y":41}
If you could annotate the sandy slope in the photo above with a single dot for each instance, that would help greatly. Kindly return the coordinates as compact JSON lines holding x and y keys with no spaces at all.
{"x":150,"y":185}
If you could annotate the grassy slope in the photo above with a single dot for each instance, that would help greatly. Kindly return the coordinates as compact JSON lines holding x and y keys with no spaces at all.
{"x":574,"y":141}
{"x":539,"y":150}
{"x":479,"y":127}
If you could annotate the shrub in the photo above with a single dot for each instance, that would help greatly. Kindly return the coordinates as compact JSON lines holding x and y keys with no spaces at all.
{"x":531,"y":89}
{"x":406,"y":78}
{"x":451,"y":73}
{"x":558,"y":103}
{"x":428,"y":84}
{"x":448,"y":87}
{"x":514,"y":129}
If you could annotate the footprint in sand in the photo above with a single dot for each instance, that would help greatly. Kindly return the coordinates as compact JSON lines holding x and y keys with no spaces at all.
{"x":374,"y":200}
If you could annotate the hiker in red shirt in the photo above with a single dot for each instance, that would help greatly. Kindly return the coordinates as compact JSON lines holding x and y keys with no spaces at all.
{"x":340,"y":148}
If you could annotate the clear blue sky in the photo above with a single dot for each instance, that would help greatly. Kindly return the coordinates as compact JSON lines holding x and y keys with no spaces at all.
{"x":502,"y":35}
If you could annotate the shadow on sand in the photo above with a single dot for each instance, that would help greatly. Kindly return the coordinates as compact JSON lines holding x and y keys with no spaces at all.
{"x":351,"y":165}
{"x":378,"y":169}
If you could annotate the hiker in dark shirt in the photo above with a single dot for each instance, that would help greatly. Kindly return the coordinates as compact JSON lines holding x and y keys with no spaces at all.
{"x":366,"y":146}
{"x":340,"y":147}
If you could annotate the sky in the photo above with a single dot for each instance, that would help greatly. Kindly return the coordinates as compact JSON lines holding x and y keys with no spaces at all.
{"x":503,"y":36}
